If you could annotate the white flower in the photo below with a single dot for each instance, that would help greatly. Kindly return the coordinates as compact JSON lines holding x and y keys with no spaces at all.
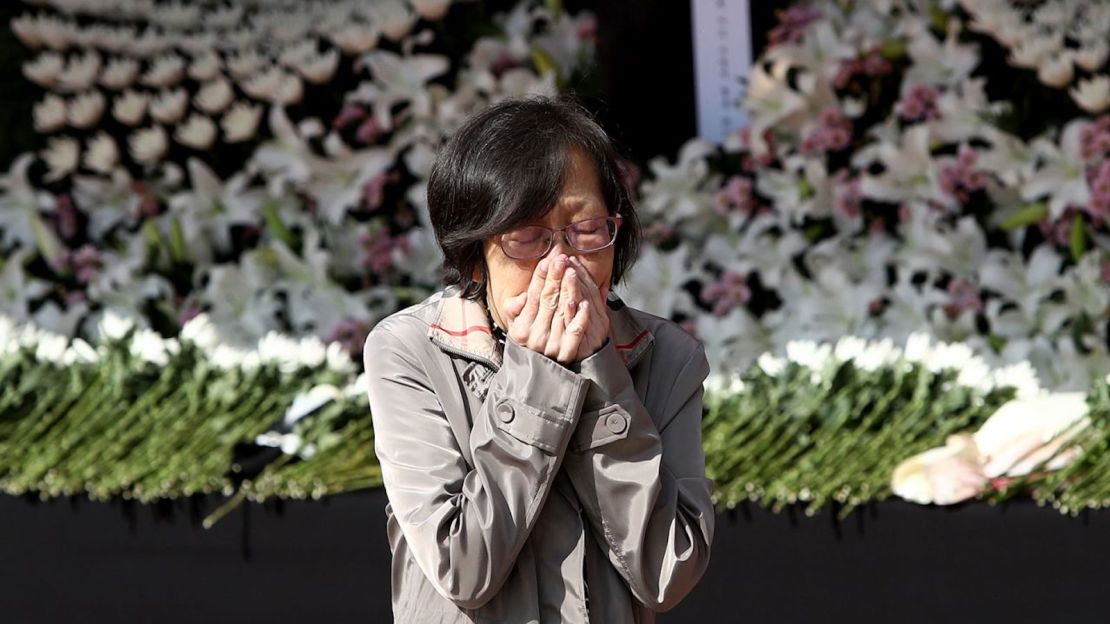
{"x":130,"y":107}
{"x":1093,"y":94}
{"x":214,"y":96}
{"x":80,"y":72}
{"x":674,"y":192}
{"x":398,"y":79}
{"x":431,"y":9}
{"x":50,"y":113}
{"x":240,"y":122}
{"x":102,"y":155}
{"x":1031,"y":52}
{"x":206,"y":67}
{"x":393,"y":17}
{"x":167,"y":70}
{"x":198,"y":132}
{"x":169,"y":106}
{"x":119,"y":73}
{"x":733,"y":341}
{"x":148,"y":345}
{"x":1028,"y":286}
{"x":245,"y":64}
{"x":210,"y":207}
{"x":911,"y":172}
{"x":1062,"y":174}
{"x":113,"y":326}
{"x":45,"y":69}
{"x":61,"y":156}
{"x":1057,"y":70}
{"x":937,"y":64}
{"x":85,"y":110}
{"x":655,"y":282}
{"x":768,"y":100}
{"x":1092,"y":56}
{"x":275,"y":85}
{"x":148,"y":145}
{"x":354,"y":38}
{"x":20,"y":204}
{"x":318,"y":68}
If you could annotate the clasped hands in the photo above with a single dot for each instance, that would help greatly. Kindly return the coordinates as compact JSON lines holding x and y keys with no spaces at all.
{"x":562,"y":314}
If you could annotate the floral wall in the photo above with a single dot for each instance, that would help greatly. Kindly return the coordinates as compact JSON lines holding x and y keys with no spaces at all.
{"x":909,"y":166}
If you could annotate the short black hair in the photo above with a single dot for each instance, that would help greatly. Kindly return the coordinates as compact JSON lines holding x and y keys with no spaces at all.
{"x":505,"y":167}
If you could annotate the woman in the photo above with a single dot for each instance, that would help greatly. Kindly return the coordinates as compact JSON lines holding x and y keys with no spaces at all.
{"x":540,"y":442}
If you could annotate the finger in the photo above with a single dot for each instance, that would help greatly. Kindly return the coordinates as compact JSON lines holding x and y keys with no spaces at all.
{"x":576,"y":329}
{"x":548,"y":301}
{"x":555,"y":334}
{"x":571,"y":295}
{"x":591,"y":288}
{"x":513,"y":306}
{"x":527,"y":314}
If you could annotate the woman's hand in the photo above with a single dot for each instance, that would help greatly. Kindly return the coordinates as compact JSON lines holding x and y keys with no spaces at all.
{"x":597,"y":327}
{"x":542,"y":324}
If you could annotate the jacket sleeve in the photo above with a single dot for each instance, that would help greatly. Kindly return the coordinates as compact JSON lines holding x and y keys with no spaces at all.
{"x":465,"y":525}
{"x":644,"y":488}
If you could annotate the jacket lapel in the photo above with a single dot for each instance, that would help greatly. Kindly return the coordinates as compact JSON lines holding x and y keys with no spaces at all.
{"x":461,"y":327}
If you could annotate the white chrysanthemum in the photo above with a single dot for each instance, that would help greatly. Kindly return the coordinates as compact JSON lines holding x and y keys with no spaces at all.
{"x":240,"y":123}
{"x":62,"y":155}
{"x":130,"y":107}
{"x":318,"y":68}
{"x":168,"y":107}
{"x":275,"y":85}
{"x":148,"y":145}
{"x":86,"y":109}
{"x":151,"y":347}
{"x":198,"y":132}
{"x":771,"y":364}
{"x":101,"y":154}
{"x":119,"y":73}
{"x":80,"y":72}
{"x":205,"y":67}
{"x":50,"y":113}
{"x":80,"y":352}
{"x":214,"y":96}
{"x":113,"y":326}
{"x":166,"y":71}
{"x":1093,"y":94}
{"x":45,"y":69}
{"x":354,"y":38}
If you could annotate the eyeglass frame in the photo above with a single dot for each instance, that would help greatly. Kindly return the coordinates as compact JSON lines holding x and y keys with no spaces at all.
{"x":617,"y":218}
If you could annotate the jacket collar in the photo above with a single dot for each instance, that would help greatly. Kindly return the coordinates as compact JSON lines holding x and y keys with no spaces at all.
{"x":461,"y":326}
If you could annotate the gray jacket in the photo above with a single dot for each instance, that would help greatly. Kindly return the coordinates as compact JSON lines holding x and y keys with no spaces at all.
{"x":521,"y":490}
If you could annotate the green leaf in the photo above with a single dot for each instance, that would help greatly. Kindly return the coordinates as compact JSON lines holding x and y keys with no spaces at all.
{"x":555,"y":6}
{"x":1026,"y":215}
{"x":276,"y":225}
{"x":1078,"y":238}
{"x":178,"y":251}
{"x":544,"y":62}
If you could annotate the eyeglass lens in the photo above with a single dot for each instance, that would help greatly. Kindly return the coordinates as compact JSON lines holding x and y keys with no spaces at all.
{"x":585,"y":236}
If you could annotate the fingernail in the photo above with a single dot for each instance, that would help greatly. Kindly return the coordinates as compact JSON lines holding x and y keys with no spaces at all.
{"x":543,"y":264}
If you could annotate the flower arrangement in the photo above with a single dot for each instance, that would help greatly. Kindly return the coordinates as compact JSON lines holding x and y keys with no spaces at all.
{"x":902,"y":172}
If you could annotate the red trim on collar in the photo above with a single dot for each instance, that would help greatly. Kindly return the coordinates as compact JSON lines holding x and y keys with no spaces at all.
{"x":625,"y":347}
{"x":462,"y":332}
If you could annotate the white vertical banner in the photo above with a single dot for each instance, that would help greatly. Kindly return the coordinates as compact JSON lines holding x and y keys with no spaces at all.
{"x":722,"y":61}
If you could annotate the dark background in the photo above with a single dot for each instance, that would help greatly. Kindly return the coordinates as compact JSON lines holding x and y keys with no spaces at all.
{"x":644,"y":56}
{"x":328,"y":561}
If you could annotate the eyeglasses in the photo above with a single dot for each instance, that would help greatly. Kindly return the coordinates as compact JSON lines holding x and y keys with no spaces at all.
{"x":586,"y":236}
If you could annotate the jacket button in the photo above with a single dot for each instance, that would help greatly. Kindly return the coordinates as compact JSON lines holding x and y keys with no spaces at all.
{"x":614,"y":422}
{"x":505,"y":412}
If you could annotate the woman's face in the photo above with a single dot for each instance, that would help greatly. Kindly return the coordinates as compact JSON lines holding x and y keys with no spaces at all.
{"x":580,"y":198}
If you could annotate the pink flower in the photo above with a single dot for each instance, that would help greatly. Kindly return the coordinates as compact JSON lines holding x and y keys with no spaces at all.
{"x":368,"y":131}
{"x":348,"y":114}
{"x":834,"y":133}
{"x":846,"y":195}
{"x":726,"y":293}
{"x":735,"y":195}
{"x":350,"y":333}
{"x":961,"y":179}
{"x":792,"y":24}
{"x":964,"y":296}
{"x":379,"y":245}
{"x":919,"y":104}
